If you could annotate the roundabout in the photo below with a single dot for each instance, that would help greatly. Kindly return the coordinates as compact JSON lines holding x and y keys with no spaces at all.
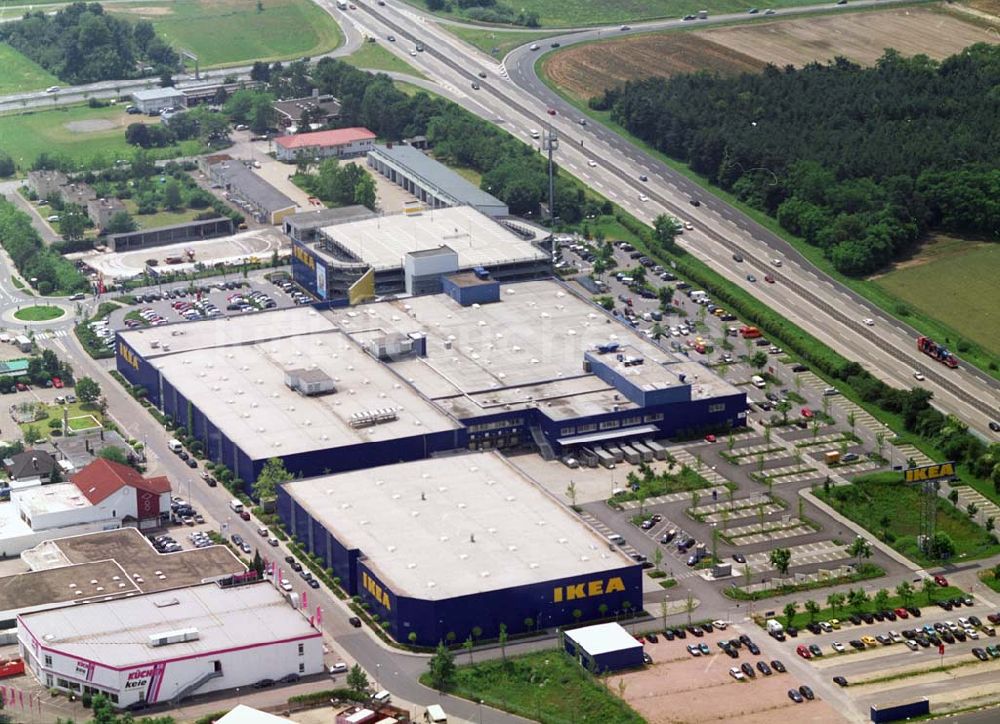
{"x":39,"y":313}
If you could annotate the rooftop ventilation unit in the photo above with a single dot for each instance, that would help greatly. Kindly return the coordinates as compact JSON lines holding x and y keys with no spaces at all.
{"x":309,"y":382}
{"x":174,"y":637}
{"x":367,"y":418}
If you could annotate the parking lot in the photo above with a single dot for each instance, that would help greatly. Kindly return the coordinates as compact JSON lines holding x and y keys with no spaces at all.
{"x":205,"y":300}
{"x":680,"y":685}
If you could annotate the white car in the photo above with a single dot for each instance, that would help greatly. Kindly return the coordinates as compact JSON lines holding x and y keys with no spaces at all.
{"x":52,"y":89}
{"x":534,"y":46}
{"x":643,"y":197}
{"x":737,"y":674}
{"x":592,"y":163}
{"x":919,"y":376}
{"x":911,"y":645}
{"x":776,"y":262}
{"x":869,"y":322}
{"x":689,"y":226}
{"x":896,"y":636}
{"x":338,"y":668}
{"x":693,"y":650}
{"x":286,"y":586}
{"x":721,"y":625}
{"x":825,"y":625}
{"x":838,"y":647}
{"x":972,"y":633}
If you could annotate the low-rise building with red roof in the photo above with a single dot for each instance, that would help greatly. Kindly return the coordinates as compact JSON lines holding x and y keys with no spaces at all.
{"x":340,"y":143}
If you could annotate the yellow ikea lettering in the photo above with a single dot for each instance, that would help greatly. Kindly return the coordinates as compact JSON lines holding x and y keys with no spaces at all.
{"x":129,"y":356}
{"x":304,"y":256}
{"x":380,"y":595}
{"x":589,"y":589}
{"x":929,"y":472}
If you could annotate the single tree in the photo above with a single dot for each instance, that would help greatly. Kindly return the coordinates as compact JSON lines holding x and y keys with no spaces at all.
{"x":502,"y":640}
{"x":689,"y":606}
{"x":467,"y":645}
{"x":571,"y":493}
{"x":881,"y":599}
{"x":790,"y":609}
{"x":357,"y":679}
{"x":835,"y":601}
{"x":87,"y":390}
{"x":905,"y":592}
{"x":812,"y":608}
{"x":860,"y":548}
{"x":780,"y":558}
{"x":271,"y":476}
{"x":858,"y":599}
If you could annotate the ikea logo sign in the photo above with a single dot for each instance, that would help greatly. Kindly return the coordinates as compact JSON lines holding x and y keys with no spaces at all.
{"x":597,"y":587}
{"x":379,"y":593}
{"x":130,"y":357}
{"x":929,"y":472}
{"x":303,"y":256}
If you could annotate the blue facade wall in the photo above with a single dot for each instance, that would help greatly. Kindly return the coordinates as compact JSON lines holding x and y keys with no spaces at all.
{"x":601,"y":365}
{"x":304,"y":267}
{"x":137,"y":370}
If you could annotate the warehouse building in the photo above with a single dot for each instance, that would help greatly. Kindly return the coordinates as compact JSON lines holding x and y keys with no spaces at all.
{"x":251,"y":192}
{"x":412,"y":252}
{"x":166,"y":647}
{"x":153,"y":101}
{"x":440,"y":548}
{"x":604,"y":647}
{"x":541,"y":368}
{"x":431,"y":182}
{"x":339,"y":143}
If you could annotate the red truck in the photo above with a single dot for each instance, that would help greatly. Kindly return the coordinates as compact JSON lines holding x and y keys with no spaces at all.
{"x":932,"y":349}
{"x":749,"y":332}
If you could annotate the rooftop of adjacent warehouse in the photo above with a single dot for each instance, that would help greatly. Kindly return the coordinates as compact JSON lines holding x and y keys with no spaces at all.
{"x":478,"y":240}
{"x":438,"y":529}
{"x":95,"y":566}
{"x":116,"y":633}
{"x":526,"y":349}
{"x":169,"y":339}
{"x":241,"y":389}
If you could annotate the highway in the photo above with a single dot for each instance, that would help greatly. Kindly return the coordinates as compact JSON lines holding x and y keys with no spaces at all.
{"x":513,"y":97}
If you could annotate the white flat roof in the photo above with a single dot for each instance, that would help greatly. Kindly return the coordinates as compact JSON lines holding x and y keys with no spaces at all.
{"x":51,"y":499}
{"x":478,"y":240}
{"x":235,"y":372}
{"x":442,"y":528}
{"x":116,"y":633}
{"x":11,"y":524}
{"x":527,"y":348}
{"x":243,"y":714}
{"x":603,"y":638}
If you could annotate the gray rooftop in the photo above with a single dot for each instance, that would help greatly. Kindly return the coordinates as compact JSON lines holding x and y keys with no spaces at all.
{"x":155,"y":94}
{"x":252,"y":186}
{"x":439,"y":529}
{"x":435,"y":174}
{"x":527,"y":349}
{"x":235,"y":371}
{"x":382,"y":242}
{"x":325,"y":217}
{"x":117,"y":632}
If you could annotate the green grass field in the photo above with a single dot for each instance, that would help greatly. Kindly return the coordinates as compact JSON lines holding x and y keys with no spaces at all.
{"x":373,"y":56}
{"x":84,"y":413}
{"x":872,"y":500}
{"x":20,"y":74}
{"x":38,"y":314}
{"x":956,"y":282}
{"x":80,"y":133}
{"x":160,"y":218}
{"x":546,"y":686}
{"x":232,"y":32}
{"x":573,"y":13}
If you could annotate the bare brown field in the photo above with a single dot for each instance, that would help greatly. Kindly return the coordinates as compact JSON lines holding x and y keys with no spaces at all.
{"x":586,"y":70}
{"x":986,"y":7}
{"x":861,"y":37}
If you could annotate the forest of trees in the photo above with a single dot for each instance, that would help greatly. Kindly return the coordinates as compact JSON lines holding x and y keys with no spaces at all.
{"x":858,"y":161}
{"x":83,"y":44}
{"x":32,"y":258}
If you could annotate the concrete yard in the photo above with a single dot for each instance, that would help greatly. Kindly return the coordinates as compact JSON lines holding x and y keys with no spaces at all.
{"x":261,"y":243}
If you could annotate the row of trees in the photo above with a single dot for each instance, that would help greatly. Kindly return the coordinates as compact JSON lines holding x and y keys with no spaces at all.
{"x":32,"y":259}
{"x":858,"y":161}
{"x":200,"y":123}
{"x":858,"y":601}
{"x":83,"y":44}
{"x":486,"y":11}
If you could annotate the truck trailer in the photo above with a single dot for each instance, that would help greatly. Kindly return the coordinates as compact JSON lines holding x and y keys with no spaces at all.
{"x":936,"y":351}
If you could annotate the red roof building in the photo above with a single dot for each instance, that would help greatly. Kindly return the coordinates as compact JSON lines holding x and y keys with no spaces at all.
{"x":340,"y":143}
{"x":102,"y":479}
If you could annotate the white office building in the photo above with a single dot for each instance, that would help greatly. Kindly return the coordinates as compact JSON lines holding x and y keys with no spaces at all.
{"x":163,"y":647}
